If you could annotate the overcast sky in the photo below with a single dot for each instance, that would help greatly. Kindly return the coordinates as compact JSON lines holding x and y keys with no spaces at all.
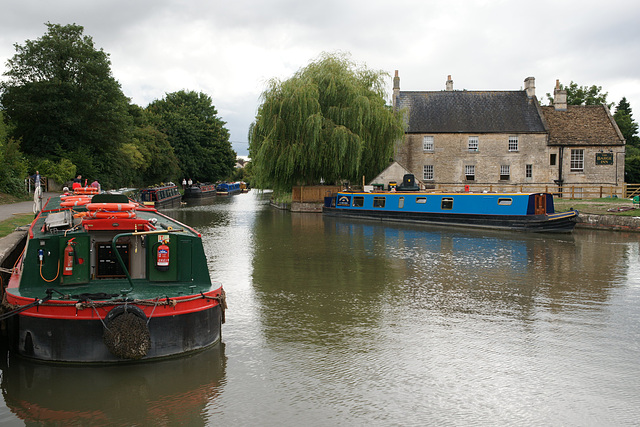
{"x":230,"y":49}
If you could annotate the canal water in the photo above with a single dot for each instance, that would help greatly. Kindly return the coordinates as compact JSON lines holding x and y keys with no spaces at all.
{"x":345,"y":322}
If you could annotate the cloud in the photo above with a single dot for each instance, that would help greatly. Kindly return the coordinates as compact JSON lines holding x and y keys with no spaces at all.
{"x":229,"y":50}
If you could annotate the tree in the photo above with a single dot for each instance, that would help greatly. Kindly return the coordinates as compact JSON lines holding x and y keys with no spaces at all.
{"x":583,"y":95}
{"x":329,"y":121}
{"x":63,"y":102}
{"x":158,"y":163}
{"x":624,"y":118}
{"x":197,"y":135}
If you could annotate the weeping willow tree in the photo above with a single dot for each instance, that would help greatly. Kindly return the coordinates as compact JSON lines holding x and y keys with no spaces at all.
{"x":329,"y":121}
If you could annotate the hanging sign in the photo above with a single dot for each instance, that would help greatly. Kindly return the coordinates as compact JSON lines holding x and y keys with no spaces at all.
{"x":604,"y":158}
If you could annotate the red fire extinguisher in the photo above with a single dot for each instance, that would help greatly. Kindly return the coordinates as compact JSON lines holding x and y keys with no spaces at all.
{"x":68,"y":257}
{"x":162,"y":258}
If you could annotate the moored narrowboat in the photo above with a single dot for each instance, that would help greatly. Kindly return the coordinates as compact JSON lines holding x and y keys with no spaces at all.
{"x":199,"y":191}
{"x":161,"y":196}
{"x":228,"y":188}
{"x":111,"y":281}
{"x":509,"y":211}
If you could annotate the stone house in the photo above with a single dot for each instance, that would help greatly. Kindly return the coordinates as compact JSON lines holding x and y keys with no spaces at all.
{"x":505,"y":141}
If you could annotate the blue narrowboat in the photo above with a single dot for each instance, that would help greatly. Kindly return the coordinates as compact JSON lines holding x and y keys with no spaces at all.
{"x":228,"y":188}
{"x":510,"y":211}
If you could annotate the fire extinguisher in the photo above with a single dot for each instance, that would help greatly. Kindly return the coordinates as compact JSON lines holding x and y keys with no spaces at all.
{"x":69,"y":255}
{"x":162,"y":257}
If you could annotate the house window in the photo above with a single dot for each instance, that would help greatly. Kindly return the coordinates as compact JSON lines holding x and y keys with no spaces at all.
{"x":427,"y":172}
{"x":378,"y":202}
{"x":358,"y":201}
{"x":504,"y":172}
{"x":473,"y":143}
{"x":577,"y":160}
{"x":552,"y":160}
{"x":528,"y":171}
{"x":470,"y":172}
{"x":427,"y":143}
{"x":513,"y":143}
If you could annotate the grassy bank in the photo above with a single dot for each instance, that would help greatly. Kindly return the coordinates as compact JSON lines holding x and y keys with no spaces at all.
{"x":596,"y":206}
{"x":9,"y":225}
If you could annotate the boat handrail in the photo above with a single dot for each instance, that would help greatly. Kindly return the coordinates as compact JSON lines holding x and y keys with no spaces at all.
{"x":135,"y":233}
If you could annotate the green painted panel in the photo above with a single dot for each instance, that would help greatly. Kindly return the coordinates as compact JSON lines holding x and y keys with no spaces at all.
{"x":152,"y":243}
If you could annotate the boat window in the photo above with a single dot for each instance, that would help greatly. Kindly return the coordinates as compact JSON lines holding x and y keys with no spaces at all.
{"x":379,"y":201}
{"x":447,"y":203}
{"x":358,"y":201}
{"x":401,"y":203}
{"x":505,"y":202}
{"x":421,"y":200}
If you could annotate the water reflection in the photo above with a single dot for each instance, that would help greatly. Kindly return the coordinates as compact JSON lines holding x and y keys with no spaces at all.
{"x":335,"y":322}
{"x":159,"y":393}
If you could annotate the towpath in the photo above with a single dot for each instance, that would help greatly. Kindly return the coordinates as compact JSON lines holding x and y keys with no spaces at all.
{"x":8,"y":210}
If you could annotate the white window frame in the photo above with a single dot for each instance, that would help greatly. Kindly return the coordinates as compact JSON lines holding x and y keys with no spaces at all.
{"x":427,"y":143}
{"x":513,"y":143}
{"x":470,"y":171}
{"x":473,"y":144}
{"x":577,"y":160}
{"x":427,"y":172}
{"x":505,"y":174}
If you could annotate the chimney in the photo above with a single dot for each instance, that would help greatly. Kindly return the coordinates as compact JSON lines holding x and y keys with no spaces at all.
{"x":559,"y":98}
{"x":449,"y":86}
{"x":396,"y":89}
{"x":530,"y":86}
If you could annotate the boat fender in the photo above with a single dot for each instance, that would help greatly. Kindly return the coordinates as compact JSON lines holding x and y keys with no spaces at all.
{"x":126,"y":333}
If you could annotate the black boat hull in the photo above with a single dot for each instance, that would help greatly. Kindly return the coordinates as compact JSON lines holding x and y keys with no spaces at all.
{"x":81,"y":341}
{"x":531,"y":223}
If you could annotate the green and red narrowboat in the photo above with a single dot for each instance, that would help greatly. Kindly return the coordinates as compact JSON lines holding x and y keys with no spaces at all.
{"x":103,"y":279}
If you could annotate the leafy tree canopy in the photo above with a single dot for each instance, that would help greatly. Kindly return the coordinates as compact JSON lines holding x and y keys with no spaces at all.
{"x":63,"y":102}
{"x":196,"y":133}
{"x":583,"y":95}
{"x":329,"y":121}
{"x":624,"y":118}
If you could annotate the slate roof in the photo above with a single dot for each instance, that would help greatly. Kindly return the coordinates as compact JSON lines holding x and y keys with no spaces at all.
{"x":471,"y":112}
{"x":581,"y":125}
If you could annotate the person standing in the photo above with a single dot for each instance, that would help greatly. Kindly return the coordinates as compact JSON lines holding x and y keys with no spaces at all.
{"x":184,"y":183}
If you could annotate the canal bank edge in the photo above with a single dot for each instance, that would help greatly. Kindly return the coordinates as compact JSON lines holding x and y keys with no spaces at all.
{"x":10,"y":248}
{"x":609,"y":222}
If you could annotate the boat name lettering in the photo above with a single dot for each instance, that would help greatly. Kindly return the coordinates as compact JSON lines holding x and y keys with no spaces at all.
{"x":344,"y":201}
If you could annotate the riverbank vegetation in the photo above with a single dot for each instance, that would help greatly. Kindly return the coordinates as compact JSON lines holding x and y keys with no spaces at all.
{"x":9,"y":225}
{"x":604,"y":206}
{"x":64,"y":114}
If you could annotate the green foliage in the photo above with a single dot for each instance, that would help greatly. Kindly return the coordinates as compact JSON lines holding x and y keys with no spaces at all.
{"x":61,"y":171}
{"x":583,"y":95}
{"x":629,"y":129}
{"x":624,"y":118}
{"x":64,"y":103}
{"x":14,"y":168}
{"x":196,"y":134}
{"x":329,"y":121}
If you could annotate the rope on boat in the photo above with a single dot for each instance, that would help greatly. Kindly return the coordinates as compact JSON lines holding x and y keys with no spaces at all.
{"x":22,"y":308}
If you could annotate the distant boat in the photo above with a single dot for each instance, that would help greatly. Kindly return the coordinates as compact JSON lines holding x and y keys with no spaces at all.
{"x":508,"y":211}
{"x":199,"y":191}
{"x":111,"y":281}
{"x":228,"y":188}
{"x":161,"y":196}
